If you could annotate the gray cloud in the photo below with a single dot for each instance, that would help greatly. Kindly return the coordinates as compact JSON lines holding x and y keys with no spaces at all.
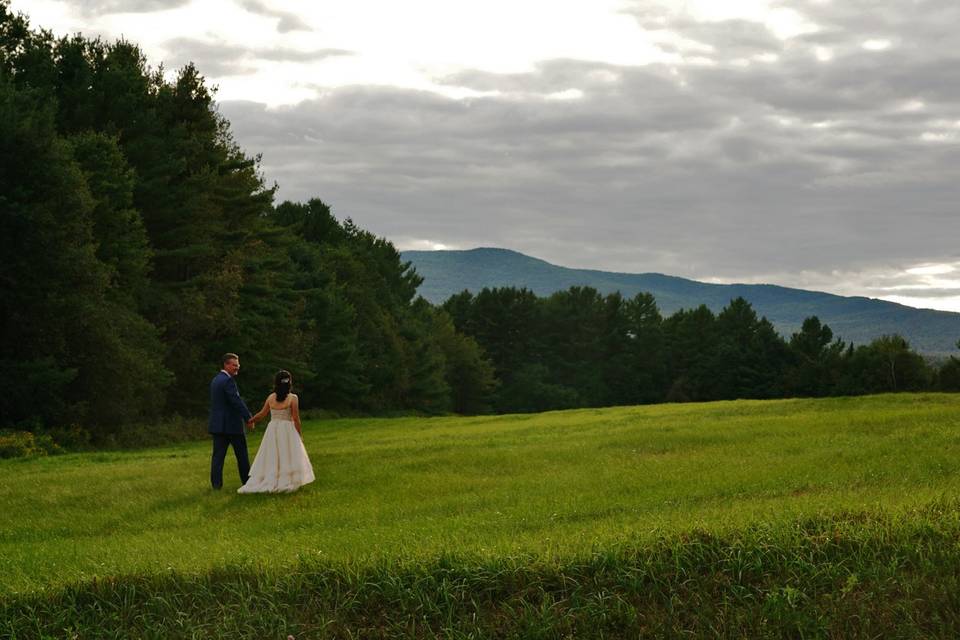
{"x":223,"y":60}
{"x":92,"y":8}
{"x":728,"y":39}
{"x":719,"y":170}
{"x":213,"y":60}
{"x":286,"y":21}
{"x":292,"y":55}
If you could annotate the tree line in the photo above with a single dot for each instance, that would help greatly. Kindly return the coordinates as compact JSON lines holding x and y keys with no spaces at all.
{"x":140,"y":243}
{"x":578,"y":348}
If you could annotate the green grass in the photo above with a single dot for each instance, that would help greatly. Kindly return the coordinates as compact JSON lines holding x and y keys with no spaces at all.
{"x":793,"y":517}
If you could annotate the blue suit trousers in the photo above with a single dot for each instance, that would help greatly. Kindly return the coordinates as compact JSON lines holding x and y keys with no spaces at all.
{"x":221,"y":441}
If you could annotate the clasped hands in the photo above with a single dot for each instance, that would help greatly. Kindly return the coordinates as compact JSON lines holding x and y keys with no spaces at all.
{"x":251,"y":424}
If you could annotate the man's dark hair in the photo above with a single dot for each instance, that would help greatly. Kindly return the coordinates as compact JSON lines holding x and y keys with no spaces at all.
{"x":228,"y":356}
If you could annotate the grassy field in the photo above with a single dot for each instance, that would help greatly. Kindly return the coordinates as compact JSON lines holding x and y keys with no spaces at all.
{"x":766,"y":518}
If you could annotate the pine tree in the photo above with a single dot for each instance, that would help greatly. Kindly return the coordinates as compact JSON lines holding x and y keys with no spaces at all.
{"x":692,"y":340}
{"x":816,"y":360}
{"x":649,"y":367}
{"x":574,"y":348}
{"x":469,"y":374}
{"x":62,"y":327}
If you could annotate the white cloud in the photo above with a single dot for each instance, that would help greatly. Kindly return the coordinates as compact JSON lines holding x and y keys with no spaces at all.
{"x":566,"y":94}
{"x":917,"y":286}
{"x":420,"y":244}
{"x":823,"y":54}
{"x":932,"y":269}
{"x":938,"y":136}
{"x":942,"y":304}
{"x":877,"y":44}
{"x":912,"y":106}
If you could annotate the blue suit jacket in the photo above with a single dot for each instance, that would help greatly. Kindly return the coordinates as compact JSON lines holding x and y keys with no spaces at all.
{"x":228,"y":413}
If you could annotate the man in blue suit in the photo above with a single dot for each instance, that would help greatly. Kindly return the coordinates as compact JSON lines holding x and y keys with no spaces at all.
{"x":228,"y":416}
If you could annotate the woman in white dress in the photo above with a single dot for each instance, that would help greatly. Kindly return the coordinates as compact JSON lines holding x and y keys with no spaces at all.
{"x":281,"y":464}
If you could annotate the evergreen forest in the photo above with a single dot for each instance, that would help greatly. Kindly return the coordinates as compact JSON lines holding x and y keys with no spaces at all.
{"x":579,"y":348}
{"x":140,"y":242}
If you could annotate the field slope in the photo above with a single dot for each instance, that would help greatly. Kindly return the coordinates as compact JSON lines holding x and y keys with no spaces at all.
{"x":832,"y":517}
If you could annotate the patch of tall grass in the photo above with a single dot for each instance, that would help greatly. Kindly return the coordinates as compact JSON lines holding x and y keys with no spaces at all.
{"x":850,"y":575}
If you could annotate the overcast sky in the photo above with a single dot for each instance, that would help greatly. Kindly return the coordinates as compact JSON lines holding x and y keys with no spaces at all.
{"x":805,"y":143}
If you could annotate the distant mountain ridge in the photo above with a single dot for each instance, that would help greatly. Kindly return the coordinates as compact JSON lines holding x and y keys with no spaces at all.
{"x":854,"y":319}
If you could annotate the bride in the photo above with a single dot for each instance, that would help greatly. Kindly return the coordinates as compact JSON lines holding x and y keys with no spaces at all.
{"x":281,"y":463}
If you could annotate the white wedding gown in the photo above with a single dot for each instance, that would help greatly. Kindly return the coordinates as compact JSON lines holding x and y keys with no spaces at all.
{"x":281,"y":464}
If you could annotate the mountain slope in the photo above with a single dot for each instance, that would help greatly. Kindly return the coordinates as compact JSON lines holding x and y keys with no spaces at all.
{"x":855,"y":319}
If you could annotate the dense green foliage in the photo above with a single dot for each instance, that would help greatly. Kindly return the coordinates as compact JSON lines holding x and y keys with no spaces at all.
{"x":578,"y":348}
{"x":140,"y":243}
{"x":812,"y":518}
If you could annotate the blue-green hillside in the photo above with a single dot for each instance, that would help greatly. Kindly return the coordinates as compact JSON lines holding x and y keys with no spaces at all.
{"x":854,"y":319}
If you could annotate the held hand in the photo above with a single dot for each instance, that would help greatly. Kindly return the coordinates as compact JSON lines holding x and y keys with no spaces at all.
{"x":251,"y":424}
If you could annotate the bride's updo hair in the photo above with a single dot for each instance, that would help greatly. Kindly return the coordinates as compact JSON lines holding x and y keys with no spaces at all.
{"x":282,"y":382}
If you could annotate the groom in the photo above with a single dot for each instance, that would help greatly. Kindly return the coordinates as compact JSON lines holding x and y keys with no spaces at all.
{"x":228,"y":415}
